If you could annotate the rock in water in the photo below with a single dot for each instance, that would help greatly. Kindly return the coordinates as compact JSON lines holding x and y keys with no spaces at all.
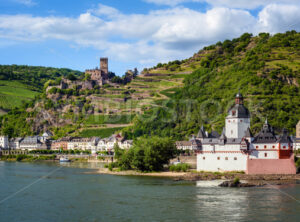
{"x":235,"y":184}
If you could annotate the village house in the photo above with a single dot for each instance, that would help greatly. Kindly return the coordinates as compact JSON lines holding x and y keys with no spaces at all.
{"x":32,"y":143}
{"x":192,"y":145}
{"x":45,"y":136}
{"x":14,"y":143}
{"x":77,"y":143}
{"x":4,"y":143}
{"x":60,"y":144}
{"x":107,"y":144}
{"x":237,"y":150}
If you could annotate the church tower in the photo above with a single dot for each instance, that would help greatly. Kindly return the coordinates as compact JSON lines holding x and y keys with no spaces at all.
{"x":238,"y":119}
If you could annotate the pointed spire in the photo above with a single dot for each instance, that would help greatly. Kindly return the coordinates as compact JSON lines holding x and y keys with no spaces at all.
{"x":201,"y":133}
{"x":266,"y":121}
{"x":223,"y":137}
{"x":248,"y":133}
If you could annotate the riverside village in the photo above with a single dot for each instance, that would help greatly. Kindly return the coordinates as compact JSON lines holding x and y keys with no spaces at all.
{"x":236,"y":149}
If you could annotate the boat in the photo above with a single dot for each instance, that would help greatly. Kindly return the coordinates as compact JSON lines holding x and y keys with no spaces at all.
{"x":64,"y":159}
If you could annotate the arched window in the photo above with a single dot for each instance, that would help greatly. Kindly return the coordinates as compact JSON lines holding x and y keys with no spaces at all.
{"x":218,"y":158}
{"x":226,"y":158}
{"x":204,"y":158}
{"x":266,"y":155}
{"x":235,"y":158}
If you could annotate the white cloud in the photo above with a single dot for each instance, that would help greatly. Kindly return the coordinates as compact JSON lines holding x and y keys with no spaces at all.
{"x":157,"y":36}
{"x":104,"y":10}
{"x":25,"y":2}
{"x":242,"y":4}
{"x":248,"y":4}
{"x":279,"y":18}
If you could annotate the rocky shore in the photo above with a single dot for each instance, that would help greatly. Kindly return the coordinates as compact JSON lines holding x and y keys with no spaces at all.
{"x":251,"y":180}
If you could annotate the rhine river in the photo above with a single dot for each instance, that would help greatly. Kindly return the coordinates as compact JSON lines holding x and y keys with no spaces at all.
{"x":48,"y":192}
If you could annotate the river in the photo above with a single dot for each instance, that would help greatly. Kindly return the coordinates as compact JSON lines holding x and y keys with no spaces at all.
{"x":54,"y":192}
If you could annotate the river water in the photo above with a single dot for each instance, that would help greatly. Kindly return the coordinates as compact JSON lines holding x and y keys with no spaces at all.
{"x":52,"y":192}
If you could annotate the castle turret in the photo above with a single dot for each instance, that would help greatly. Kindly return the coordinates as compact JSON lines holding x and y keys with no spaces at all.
{"x":238,"y":119}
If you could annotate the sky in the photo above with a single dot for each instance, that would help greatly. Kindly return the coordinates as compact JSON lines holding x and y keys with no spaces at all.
{"x":133,"y":33}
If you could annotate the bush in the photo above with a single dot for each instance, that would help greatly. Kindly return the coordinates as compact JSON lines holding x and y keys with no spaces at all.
{"x":236,"y":180}
{"x":20,"y":157}
{"x":181,"y":167}
{"x":111,"y":166}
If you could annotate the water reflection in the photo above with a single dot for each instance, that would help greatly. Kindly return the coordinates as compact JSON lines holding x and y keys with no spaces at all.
{"x":246,"y":204}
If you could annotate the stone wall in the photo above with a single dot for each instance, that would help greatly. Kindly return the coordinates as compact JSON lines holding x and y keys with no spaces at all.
{"x":271,"y":166}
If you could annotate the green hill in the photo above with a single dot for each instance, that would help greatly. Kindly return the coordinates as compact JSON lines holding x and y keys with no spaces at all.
{"x":265,"y":68}
{"x":13,"y":93}
{"x":176,"y":98}
{"x":20,"y":83}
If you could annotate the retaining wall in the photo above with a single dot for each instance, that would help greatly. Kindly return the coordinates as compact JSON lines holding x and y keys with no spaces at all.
{"x":271,"y":166}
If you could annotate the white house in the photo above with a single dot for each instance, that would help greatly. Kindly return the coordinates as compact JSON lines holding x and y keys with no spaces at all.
{"x":31,"y":143}
{"x":4,"y":144}
{"x":14,"y":143}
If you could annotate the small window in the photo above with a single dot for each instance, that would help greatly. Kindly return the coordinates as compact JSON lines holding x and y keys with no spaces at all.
{"x":218,"y":158}
{"x":241,"y":120}
{"x":265,"y":146}
{"x":284,"y":147}
{"x":257,"y":147}
{"x":235,"y":158}
{"x":233,"y":112}
{"x":226,"y":158}
{"x":229,"y":121}
{"x":266,"y":154}
{"x":273,"y":147}
{"x":204,"y":158}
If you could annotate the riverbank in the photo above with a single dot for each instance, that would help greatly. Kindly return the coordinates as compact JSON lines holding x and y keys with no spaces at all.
{"x":136,"y":173}
{"x":256,"y":180}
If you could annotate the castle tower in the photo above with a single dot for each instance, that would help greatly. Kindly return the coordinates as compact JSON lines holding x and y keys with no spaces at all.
{"x":238,"y":119}
{"x":298,"y":130}
{"x":104,"y":66}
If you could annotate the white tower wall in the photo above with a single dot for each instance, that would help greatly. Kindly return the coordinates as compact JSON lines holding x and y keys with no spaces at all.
{"x":236,"y":127}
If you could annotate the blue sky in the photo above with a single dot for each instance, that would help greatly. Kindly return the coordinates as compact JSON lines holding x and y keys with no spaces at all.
{"x":134,"y":33}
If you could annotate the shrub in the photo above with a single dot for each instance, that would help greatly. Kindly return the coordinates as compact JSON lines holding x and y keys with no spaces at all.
{"x":236,"y":180}
{"x":181,"y":167}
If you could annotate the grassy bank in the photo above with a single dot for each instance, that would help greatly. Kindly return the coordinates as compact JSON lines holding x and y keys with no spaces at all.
{"x":26,"y":158}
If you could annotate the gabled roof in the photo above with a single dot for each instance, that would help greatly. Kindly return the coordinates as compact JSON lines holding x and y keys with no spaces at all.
{"x":284,"y":137}
{"x":47,"y":134}
{"x":266,"y":134}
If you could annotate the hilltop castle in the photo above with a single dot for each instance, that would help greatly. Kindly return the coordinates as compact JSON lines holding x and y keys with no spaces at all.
{"x":100,"y":75}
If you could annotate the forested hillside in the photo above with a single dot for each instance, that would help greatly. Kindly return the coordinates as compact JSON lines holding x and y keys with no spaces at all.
{"x":265,"y":68}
